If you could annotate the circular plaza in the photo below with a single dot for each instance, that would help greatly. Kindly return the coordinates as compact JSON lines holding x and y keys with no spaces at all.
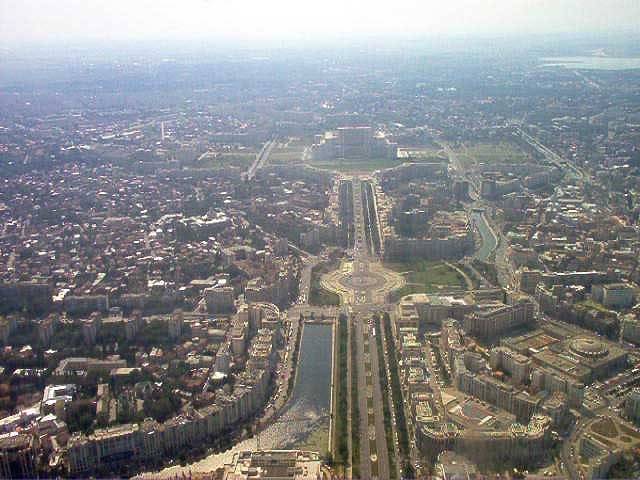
{"x":354,"y":280}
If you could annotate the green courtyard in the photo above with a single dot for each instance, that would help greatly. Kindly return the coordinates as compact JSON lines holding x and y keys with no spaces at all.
{"x":490,"y":153}
{"x":350,"y":166}
{"x":427,"y":277}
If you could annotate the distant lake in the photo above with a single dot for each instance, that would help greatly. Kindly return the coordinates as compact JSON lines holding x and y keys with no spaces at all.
{"x":593,"y":63}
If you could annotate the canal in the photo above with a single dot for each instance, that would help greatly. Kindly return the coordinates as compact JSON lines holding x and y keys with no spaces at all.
{"x":304,"y":423}
{"x":489,"y":240}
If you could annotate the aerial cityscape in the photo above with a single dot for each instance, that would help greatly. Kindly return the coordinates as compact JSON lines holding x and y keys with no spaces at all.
{"x":376,"y":258}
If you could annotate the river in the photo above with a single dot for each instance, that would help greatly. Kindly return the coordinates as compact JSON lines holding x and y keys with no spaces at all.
{"x":489,"y":240}
{"x":593,"y":62}
{"x":304,"y":423}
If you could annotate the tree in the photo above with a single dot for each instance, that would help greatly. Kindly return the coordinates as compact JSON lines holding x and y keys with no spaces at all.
{"x":407,"y":470}
{"x":80,"y":416}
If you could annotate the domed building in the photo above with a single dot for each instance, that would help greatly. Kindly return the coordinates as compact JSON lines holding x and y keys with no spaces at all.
{"x":589,"y":347}
{"x":585,"y":358}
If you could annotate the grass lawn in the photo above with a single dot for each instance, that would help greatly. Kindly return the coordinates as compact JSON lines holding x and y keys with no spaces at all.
{"x":285,"y":155}
{"x":427,"y":277}
{"x":236,"y":159}
{"x":501,"y":152}
{"x":364,"y":165}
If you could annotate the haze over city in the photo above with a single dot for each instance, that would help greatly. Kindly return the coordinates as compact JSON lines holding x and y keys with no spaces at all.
{"x":354,"y":239}
{"x":34,"y":21}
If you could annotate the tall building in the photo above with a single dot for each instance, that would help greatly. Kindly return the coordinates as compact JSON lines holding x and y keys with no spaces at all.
{"x":219,"y":299}
{"x":7,"y":326}
{"x":90,"y":328}
{"x":17,"y":455}
{"x":45,"y":330}
{"x":528,"y":279}
{"x":632,"y":406}
{"x":497,"y":321}
{"x":630,"y":328}
{"x":431,"y":309}
{"x":353,"y":142}
{"x":516,"y":365}
{"x":614,"y":295}
{"x":175,"y":324}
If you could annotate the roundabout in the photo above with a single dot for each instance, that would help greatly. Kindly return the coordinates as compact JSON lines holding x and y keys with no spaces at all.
{"x":362,"y":282}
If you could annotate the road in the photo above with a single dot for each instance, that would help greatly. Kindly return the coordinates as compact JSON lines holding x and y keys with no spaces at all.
{"x":588,"y":81}
{"x":363,"y":286}
{"x":361,"y":249}
{"x":372,"y":432}
{"x":365,"y":449}
{"x":261,"y":158}
{"x":550,"y":155}
{"x":394,"y":420}
{"x":474,"y":191}
{"x":371,"y":223}
{"x":374,"y":455}
{"x":567,"y":452}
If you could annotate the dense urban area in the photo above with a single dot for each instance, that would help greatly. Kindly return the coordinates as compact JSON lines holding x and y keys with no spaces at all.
{"x":321,"y":265}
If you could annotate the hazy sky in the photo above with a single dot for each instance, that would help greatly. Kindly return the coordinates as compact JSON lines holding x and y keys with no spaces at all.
{"x":72,"y":20}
